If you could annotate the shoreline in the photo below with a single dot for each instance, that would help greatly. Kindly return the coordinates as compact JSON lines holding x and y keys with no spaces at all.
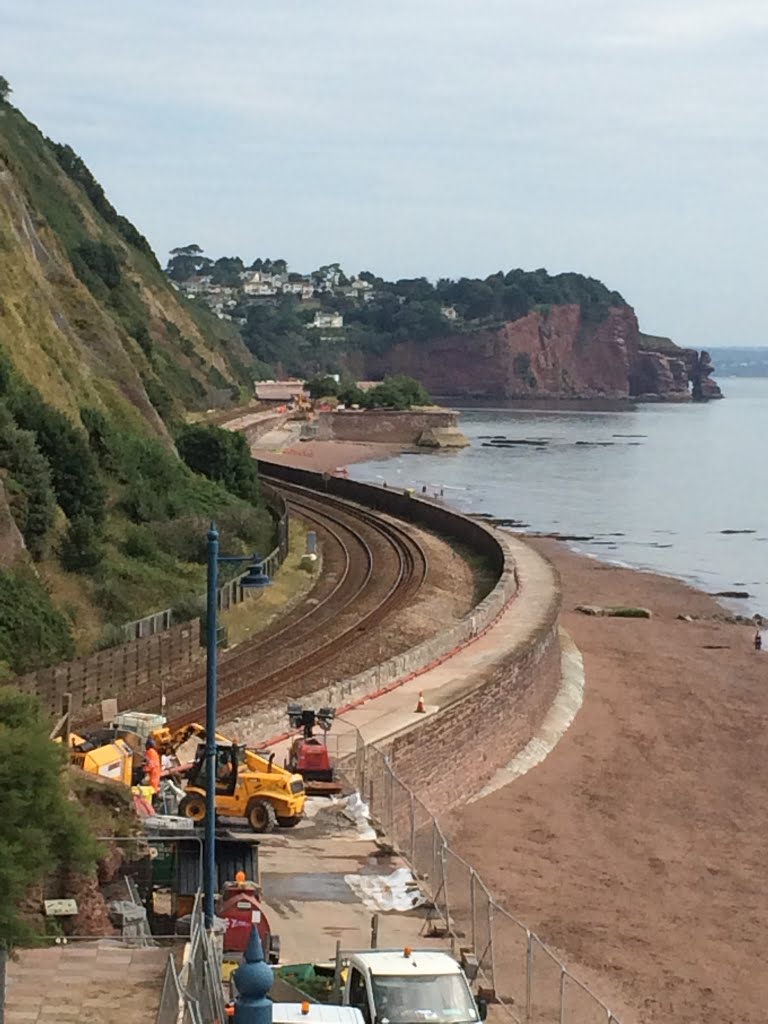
{"x":634,"y":849}
{"x":337,"y":456}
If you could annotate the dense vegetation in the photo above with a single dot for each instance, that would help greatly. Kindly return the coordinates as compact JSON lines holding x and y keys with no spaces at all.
{"x":115,"y":506}
{"x":281,"y":334}
{"x":399,"y":392}
{"x":100,"y":360}
{"x":41,"y":829}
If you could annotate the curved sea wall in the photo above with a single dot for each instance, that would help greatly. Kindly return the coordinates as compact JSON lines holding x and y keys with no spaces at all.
{"x":512,"y":673}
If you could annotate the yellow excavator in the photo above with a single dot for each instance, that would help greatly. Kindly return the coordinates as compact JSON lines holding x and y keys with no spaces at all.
{"x":248,"y":785}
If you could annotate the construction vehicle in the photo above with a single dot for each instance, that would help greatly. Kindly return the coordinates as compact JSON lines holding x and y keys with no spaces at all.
{"x":248,"y":785}
{"x":308,"y":755}
{"x":113,"y":760}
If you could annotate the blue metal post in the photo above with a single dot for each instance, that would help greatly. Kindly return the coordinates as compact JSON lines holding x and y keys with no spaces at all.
{"x":210,"y":725}
{"x":253,"y":979}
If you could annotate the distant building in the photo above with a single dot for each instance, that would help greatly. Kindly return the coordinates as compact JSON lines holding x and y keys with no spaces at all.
{"x":327,"y":320}
{"x":449,"y":313}
{"x":279,"y":392}
{"x":263,"y":288}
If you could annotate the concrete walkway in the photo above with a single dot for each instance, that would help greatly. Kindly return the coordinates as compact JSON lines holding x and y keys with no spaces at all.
{"x":87,"y":982}
{"x":379,"y":716}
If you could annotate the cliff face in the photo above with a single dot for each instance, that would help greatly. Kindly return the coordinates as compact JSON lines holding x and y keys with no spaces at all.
{"x":557,"y":354}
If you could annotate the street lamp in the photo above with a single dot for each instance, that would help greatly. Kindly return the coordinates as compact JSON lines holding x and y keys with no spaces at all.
{"x":255,"y":578}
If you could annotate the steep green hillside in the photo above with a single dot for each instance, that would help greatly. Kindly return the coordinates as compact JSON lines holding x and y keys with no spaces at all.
{"x":100,"y":520}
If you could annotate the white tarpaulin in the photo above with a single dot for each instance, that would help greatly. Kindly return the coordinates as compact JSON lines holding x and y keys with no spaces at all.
{"x":398,"y":891}
{"x":357,"y":811}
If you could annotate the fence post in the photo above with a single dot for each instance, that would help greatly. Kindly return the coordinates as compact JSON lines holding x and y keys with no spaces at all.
{"x":473,"y":909}
{"x":528,"y":977}
{"x":413,"y":830}
{"x":562,"y":994}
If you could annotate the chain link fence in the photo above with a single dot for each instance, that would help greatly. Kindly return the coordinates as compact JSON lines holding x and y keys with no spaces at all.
{"x":520,"y":973}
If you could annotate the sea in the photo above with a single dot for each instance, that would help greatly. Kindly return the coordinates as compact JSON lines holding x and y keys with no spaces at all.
{"x":677,"y":489}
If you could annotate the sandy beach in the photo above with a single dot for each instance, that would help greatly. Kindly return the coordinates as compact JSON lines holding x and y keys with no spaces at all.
{"x":637,"y":849}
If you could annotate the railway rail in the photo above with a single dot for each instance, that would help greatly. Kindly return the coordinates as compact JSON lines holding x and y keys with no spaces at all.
{"x":371,"y":568}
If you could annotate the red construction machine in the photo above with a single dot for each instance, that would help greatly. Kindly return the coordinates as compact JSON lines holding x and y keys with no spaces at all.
{"x":309,"y":755}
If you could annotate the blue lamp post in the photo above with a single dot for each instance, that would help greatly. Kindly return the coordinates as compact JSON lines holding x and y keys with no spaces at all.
{"x":256,"y":578}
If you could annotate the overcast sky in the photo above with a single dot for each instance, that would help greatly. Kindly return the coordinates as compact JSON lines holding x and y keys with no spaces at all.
{"x":625,"y":140}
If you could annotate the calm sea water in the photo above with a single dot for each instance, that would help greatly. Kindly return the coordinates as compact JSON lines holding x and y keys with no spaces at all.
{"x":659,"y":499}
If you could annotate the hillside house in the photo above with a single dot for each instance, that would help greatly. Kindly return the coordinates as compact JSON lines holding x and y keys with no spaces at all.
{"x":327,"y":320}
{"x":449,"y":313}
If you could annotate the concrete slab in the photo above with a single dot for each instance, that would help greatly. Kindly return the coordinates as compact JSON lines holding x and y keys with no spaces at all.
{"x":89,"y":982}
{"x":309,"y":903}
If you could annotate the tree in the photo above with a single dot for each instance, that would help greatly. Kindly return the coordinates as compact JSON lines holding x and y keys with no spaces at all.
{"x":41,"y":829}
{"x":322,"y":387}
{"x":221,"y":455}
{"x":5,"y":89}
{"x":187,"y":250}
{"x":279,"y":267}
{"x":226,"y":271}
{"x":32,"y":500}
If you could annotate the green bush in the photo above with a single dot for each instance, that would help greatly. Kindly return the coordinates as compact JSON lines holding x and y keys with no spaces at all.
{"x":33,"y":501}
{"x":140,"y":543}
{"x":41,"y":829}
{"x":32,"y":632}
{"x":74,"y":472}
{"x":81,"y":549}
{"x":221,"y":455}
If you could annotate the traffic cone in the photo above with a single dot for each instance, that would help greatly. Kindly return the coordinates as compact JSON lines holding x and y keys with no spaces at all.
{"x":420,"y":708}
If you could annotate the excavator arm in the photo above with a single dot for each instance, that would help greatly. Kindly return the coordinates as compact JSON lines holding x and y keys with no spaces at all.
{"x":170,"y":740}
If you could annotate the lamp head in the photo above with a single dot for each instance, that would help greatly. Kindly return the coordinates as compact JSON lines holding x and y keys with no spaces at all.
{"x":255,"y":578}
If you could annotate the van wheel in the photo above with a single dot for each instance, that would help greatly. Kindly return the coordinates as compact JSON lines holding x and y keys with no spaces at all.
{"x":193,"y":806}
{"x":289,"y":822}
{"x":261,"y":816}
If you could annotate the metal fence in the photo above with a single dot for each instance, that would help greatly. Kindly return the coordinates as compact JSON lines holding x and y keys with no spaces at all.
{"x":192,"y":993}
{"x":527,"y":979}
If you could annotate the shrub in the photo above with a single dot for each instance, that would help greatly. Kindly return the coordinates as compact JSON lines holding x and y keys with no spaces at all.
{"x":35,"y":508}
{"x":41,"y":829}
{"x":81,"y":549}
{"x":32,"y":632}
{"x":221,"y":455}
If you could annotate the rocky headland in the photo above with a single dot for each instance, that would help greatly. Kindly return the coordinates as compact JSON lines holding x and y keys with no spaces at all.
{"x":556,"y":354}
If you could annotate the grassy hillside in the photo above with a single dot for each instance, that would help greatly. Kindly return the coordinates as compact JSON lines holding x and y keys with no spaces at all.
{"x":99,"y":362}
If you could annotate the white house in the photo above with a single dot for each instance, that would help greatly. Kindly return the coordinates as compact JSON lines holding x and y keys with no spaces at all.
{"x":327,"y":320}
{"x":264,"y":288}
{"x":449,"y":313}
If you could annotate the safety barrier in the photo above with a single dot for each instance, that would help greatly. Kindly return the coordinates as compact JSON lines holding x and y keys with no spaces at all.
{"x":193,"y":994}
{"x":528,"y":980}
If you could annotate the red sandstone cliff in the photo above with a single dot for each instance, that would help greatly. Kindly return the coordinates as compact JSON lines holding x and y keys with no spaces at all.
{"x":549,"y":355}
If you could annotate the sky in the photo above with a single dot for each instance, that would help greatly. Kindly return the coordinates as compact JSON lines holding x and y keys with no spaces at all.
{"x":626,"y":141}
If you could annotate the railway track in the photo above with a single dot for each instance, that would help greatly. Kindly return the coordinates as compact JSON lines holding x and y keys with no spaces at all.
{"x":371,"y":568}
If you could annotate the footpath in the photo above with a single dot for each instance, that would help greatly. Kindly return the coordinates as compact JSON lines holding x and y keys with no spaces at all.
{"x":306,"y":872}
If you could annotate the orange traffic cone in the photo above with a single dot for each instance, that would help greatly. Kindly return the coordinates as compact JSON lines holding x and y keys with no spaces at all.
{"x":420,"y":708}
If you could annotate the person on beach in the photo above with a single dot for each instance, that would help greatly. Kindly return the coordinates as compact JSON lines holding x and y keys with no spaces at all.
{"x":758,"y":640}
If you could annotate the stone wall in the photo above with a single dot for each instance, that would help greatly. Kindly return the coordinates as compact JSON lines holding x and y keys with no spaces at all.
{"x":384,"y":426}
{"x":450,"y":754}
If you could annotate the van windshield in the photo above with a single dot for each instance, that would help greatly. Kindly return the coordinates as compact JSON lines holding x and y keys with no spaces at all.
{"x":411,"y":999}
